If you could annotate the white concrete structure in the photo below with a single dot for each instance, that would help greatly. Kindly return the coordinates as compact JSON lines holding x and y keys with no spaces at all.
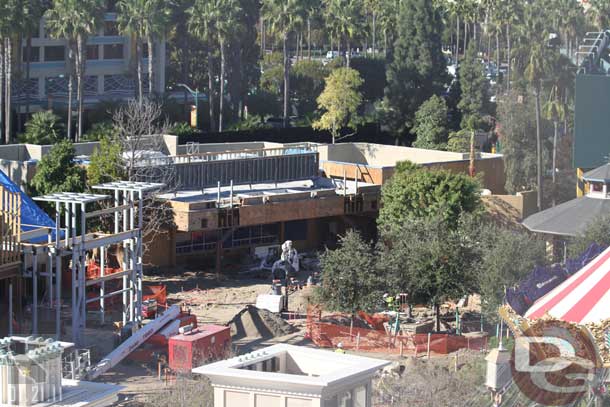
{"x":292,"y":376}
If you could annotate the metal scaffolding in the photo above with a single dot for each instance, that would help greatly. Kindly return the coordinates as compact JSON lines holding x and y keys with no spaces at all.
{"x":72,"y":241}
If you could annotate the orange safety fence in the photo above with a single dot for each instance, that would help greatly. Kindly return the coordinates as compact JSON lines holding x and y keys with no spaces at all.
{"x":329,"y":335}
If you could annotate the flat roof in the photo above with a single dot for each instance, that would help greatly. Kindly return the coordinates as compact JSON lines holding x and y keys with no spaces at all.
{"x":264,"y":189}
{"x":335,"y":368}
{"x":77,"y":393}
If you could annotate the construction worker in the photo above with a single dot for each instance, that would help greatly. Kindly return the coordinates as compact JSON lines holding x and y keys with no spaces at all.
{"x":340,"y":348}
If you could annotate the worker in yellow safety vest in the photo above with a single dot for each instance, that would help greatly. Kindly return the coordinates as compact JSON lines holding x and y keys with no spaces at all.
{"x":340,"y":348}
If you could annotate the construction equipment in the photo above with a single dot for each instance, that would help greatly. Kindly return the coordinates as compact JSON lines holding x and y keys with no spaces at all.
{"x":137,"y":339}
{"x":198,"y":346}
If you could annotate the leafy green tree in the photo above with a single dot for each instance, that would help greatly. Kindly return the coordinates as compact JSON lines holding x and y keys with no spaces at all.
{"x":271,"y":79}
{"x":372,"y":71}
{"x":75,"y":20}
{"x":349,"y":279}
{"x":340,"y":102}
{"x":474,"y":86}
{"x":56,"y":171}
{"x":459,"y":141}
{"x":517,"y":133}
{"x":418,"y":69}
{"x":431,"y":124}
{"x":504,"y":257}
{"x":430,"y":260}
{"x":43,"y":128}
{"x":307,"y":78}
{"x":106,"y":162}
{"x":416,"y":192}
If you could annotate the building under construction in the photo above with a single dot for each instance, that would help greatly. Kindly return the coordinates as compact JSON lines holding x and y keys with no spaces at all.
{"x":54,"y":270}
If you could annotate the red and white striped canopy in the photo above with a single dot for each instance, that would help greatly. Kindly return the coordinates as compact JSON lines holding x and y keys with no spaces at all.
{"x":582,"y":298}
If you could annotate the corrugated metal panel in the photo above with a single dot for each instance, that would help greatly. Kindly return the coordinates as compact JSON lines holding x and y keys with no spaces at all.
{"x":279,"y":168}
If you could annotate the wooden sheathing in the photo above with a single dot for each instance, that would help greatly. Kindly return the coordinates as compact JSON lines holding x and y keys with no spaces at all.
{"x":10,"y":230}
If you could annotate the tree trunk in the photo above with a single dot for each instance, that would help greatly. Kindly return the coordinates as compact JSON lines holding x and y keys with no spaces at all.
{"x":70,"y":88}
{"x":286,"y":79}
{"x":508,"y":57}
{"x":538,"y":148}
{"x":139,"y":68}
{"x":28,"y":64}
{"x":457,"y":39}
{"x":222,"y":83}
{"x":7,"y":90}
{"x":262,"y":23}
{"x":498,"y":57}
{"x":80,"y":67}
{"x":2,"y":66}
{"x":151,"y":68}
{"x":348,"y":53}
{"x":437,"y":313}
{"x":308,"y":38}
{"x":374,"y":33}
{"x":18,"y":67}
{"x":555,"y":131}
{"x":211,"y":90}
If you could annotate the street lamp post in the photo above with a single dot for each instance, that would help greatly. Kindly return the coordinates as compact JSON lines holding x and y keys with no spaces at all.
{"x":195,"y":94}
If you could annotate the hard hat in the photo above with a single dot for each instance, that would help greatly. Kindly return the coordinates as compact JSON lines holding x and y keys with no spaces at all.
{"x":385,"y":295}
{"x":340,"y":345}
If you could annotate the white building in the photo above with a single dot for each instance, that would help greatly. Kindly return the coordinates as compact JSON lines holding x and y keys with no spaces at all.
{"x":292,"y":376}
{"x":109,"y":73}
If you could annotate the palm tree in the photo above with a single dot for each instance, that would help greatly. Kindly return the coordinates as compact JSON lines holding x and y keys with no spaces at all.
{"x":535,"y":73}
{"x":202,"y":23}
{"x":144,"y":19}
{"x":345,"y":16}
{"x":75,"y":20}
{"x":284,"y":16}
{"x":10,"y":17}
{"x":226,"y":26}
{"x":33,"y":12}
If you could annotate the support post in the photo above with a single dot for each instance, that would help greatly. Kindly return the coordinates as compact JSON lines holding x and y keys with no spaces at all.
{"x":132,"y":264}
{"x":126,"y":284}
{"x":139,"y":248}
{"x":103,"y":286}
{"x":82,"y":259}
{"x":10,"y":307}
{"x":34,"y":293}
{"x":58,"y":271}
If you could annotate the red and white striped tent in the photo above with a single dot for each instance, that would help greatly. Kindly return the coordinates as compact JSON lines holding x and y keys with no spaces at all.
{"x":583,"y":298}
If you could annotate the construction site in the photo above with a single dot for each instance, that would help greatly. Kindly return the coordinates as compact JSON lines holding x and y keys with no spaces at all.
{"x":80,"y":280}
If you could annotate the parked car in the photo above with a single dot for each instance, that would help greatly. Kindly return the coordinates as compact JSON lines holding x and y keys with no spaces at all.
{"x":332,"y":54}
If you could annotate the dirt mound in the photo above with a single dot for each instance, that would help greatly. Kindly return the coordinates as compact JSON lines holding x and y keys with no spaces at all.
{"x":252,"y":322}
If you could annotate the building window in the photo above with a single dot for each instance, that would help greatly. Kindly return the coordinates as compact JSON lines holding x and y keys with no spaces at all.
{"x":111,"y":29}
{"x":204,"y":223}
{"x":93,"y":52}
{"x":34,"y":56}
{"x":54,"y":53}
{"x":113,"y":51}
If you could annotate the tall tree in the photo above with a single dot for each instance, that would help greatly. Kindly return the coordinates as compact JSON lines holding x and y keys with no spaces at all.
{"x":475,"y":87}
{"x":416,"y":192}
{"x":346,"y":21}
{"x":76,"y":20}
{"x":431,"y":124}
{"x":33,"y":11}
{"x":57,"y":172}
{"x":284,"y":16}
{"x":11,"y":19}
{"x":340,"y":101}
{"x":418,"y":69}
{"x":349,"y":280}
{"x":535,"y":72}
{"x":202,"y":22}
{"x":146,"y":20}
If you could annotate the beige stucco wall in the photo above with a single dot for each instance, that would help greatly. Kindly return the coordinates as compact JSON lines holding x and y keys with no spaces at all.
{"x":234,"y":398}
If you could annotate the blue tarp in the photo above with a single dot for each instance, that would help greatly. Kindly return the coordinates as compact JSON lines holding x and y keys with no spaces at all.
{"x":31,"y":214}
{"x":544,"y":278}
